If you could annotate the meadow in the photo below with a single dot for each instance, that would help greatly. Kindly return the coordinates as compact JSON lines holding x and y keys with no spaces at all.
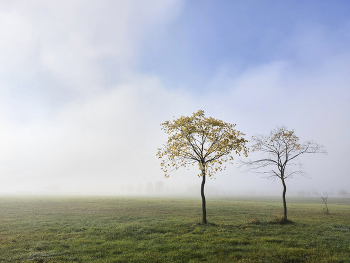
{"x":117,"y":229}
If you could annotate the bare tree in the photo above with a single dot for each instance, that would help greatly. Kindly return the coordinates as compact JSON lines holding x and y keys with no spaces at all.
{"x":281,"y":149}
{"x":342,"y":192}
{"x":325,"y":200}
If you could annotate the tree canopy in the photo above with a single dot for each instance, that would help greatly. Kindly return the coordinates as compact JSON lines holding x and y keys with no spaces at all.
{"x":281,"y":149}
{"x":203,"y":140}
{"x":199,"y":139}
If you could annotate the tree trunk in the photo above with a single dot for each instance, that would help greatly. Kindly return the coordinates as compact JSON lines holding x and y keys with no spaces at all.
{"x":284,"y":200}
{"x":204,"y":220}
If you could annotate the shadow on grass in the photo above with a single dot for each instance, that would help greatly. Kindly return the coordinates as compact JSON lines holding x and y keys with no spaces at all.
{"x":207,"y":224}
{"x":281,"y":221}
{"x":276,"y":220}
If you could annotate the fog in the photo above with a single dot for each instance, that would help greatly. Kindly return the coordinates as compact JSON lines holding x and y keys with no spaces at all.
{"x":85,"y":85}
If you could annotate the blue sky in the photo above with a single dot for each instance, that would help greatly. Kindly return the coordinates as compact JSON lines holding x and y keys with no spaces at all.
{"x":84,"y":86}
{"x":209,"y":35}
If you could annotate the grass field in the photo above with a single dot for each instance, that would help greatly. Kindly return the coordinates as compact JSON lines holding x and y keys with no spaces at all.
{"x":114,"y":229}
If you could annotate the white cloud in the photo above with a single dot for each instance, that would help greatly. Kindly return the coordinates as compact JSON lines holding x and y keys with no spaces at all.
{"x":105,"y":140}
{"x":313,"y":101}
{"x":69,"y":40}
{"x":105,"y":132}
{"x":59,"y":49}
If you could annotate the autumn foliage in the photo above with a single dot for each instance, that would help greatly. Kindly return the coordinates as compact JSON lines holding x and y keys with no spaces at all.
{"x":200,"y":140}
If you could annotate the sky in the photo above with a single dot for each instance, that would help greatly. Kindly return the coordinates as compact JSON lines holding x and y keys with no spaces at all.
{"x":85,"y":85}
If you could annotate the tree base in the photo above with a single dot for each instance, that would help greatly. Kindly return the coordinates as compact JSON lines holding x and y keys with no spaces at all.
{"x":206,"y":224}
{"x":280,"y":220}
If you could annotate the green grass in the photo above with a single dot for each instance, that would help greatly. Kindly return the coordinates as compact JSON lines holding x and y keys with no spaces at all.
{"x":111,"y":229}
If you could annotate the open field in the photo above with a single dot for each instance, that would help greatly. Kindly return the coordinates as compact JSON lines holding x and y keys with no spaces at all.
{"x":115,"y":229}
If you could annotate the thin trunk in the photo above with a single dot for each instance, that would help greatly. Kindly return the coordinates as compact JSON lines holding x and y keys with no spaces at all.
{"x":325,"y":202}
{"x":204,"y":220}
{"x":284,"y":200}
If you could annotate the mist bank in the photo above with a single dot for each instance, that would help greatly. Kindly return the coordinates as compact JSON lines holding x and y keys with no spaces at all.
{"x":160,"y":189}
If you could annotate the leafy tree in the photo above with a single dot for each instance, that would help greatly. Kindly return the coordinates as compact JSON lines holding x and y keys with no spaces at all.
{"x":198,"y":139}
{"x":281,"y":149}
